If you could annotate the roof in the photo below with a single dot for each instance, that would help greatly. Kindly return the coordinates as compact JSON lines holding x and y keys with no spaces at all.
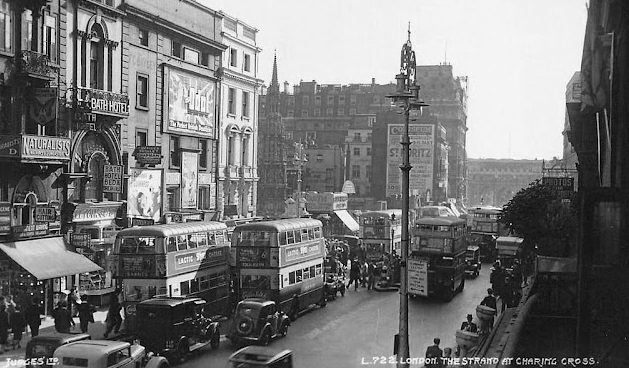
{"x":88,"y":347}
{"x":443,"y":221}
{"x":489,"y":210}
{"x":388,"y":213}
{"x":279,"y":225}
{"x":473,"y":247}
{"x":257,"y":301}
{"x":259,"y":354}
{"x":173,"y":229}
{"x":509,"y":239}
{"x":171,"y":302}
{"x":62,"y":338}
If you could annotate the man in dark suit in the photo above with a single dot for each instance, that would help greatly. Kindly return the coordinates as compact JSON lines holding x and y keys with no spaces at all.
{"x":434,"y":352}
{"x":469,"y":325}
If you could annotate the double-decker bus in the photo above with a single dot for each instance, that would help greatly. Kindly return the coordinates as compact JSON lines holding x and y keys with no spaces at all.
{"x":279,"y":259}
{"x":381,"y":233}
{"x":436,"y":264}
{"x":485,"y":228}
{"x":182,"y":259}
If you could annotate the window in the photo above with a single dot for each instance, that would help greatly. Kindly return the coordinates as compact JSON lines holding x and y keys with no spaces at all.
{"x":231,"y":101}
{"x":341,"y":100}
{"x":329,"y":112}
{"x":97,"y":49}
{"x":245,"y":104}
{"x":317,"y":100}
{"x":305,"y":100}
{"x":329,"y":174}
{"x":140,"y":137}
{"x":290,"y":113}
{"x":369,"y":137}
{"x":190,"y":55}
{"x":319,"y":157}
{"x":5,"y":26}
{"x":142,"y":92}
{"x":368,"y":151}
{"x":356,"y":151}
{"x":204,"y":197}
{"x":304,"y":113}
{"x":172,"y":198}
{"x":357,"y":137}
{"x":203,"y":147}
{"x":184,"y":287}
{"x":355,"y":171}
{"x":331,"y":100}
{"x":247,"y":63}
{"x":352,"y":111}
{"x":317,"y":111}
{"x":176,"y":50}
{"x":175,"y":157}
{"x":341,"y":112}
{"x":233,"y":57}
{"x":368,"y":171}
{"x":27,"y":29}
{"x":50,"y":37}
{"x":143,"y":36}
{"x":352,"y":99}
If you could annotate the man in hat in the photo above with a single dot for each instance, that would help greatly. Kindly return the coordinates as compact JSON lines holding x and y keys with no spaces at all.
{"x":468,"y":325}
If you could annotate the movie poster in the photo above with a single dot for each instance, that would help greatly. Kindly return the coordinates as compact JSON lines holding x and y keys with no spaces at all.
{"x":145,"y":193}
{"x":189,"y":179}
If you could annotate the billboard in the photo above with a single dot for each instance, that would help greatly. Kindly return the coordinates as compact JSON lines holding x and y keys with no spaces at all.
{"x":422,"y":138}
{"x":145,"y":193}
{"x":190,"y":105}
{"x":189,"y":179}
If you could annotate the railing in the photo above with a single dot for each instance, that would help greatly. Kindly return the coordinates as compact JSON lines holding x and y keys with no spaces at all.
{"x":38,"y":65}
{"x":245,"y":172}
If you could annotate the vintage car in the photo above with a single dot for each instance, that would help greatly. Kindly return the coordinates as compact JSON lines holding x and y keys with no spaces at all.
{"x":175,"y":326}
{"x":104,"y":354}
{"x":333,"y":285}
{"x":261,"y":357}
{"x":258,"y":320}
{"x":40,"y":349}
{"x":473,"y":262}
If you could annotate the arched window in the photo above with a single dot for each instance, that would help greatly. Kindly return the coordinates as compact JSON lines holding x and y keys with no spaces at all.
{"x":94,"y":188}
{"x":97,"y":57}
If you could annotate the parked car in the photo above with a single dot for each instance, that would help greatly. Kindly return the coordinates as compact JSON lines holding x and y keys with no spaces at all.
{"x":175,"y":326}
{"x":473,"y":262}
{"x":259,"y":321}
{"x":261,"y":357}
{"x":40,"y":349}
{"x":105,"y":354}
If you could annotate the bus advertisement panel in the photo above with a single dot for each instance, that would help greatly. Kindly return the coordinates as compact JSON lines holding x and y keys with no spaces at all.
{"x":293,"y":254}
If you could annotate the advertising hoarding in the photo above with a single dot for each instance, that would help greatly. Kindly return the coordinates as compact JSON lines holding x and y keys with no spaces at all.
{"x":421,"y":158}
{"x":145,"y":193}
{"x":417,"y":277}
{"x":189,"y":179}
{"x":191,"y":102}
{"x":326,"y":202}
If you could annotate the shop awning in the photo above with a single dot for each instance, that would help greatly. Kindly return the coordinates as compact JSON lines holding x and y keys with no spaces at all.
{"x":347,"y":219}
{"x":48,"y":258}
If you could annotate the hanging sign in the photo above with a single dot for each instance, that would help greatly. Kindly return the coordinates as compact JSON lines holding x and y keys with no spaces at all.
{"x":112,"y":178}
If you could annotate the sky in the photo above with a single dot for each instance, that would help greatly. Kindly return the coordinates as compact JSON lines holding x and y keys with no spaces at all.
{"x":518,"y":56}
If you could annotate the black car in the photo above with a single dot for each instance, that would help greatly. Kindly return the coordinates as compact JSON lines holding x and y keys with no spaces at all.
{"x":175,"y":327}
{"x":40,"y":349}
{"x":258,"y":320}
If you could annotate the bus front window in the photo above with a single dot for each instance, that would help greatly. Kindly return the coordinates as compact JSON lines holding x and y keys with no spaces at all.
{"x":137,"y":245}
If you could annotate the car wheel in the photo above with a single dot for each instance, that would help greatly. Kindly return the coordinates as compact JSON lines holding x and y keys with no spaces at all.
{"x":182,"y":353}
{"x":215,"y":341}
{"x":284,"y":329}
{"x":265,"y":339}
{"x":343,"y":292}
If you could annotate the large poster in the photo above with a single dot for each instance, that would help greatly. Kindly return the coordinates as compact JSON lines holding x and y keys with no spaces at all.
{"x":191,"y":103}
{"x":145,"y":193}
{"x":189,"y":179}
{"x":421,"y":159}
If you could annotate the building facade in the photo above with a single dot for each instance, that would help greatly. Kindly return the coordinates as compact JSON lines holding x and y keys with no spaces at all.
{"x":240,"y":88}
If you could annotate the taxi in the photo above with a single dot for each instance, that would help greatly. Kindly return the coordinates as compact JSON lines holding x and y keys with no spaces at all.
{"x":106,"y":354}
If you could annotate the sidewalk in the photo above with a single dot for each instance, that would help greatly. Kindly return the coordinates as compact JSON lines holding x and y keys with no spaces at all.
{"x":96,"y":330}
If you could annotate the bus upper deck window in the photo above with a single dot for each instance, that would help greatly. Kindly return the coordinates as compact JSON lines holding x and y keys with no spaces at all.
{"x":128,"y":245}
{"x":172,"y":244}
{"x":146,"y":245}
{"x":304,"y":234}
{"x":201,"y":240}
{"x":192,"y":241}
{"x":311,"y":234}
{"x":211,"y":239}
{"x":282,"y":236}
{"x":317,"y":232}
{"x":291,"y":236}
{"x":182,"y":242}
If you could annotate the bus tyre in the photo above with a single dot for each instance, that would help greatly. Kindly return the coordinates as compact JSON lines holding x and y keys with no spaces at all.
{"x":215,"y":340}
{"x":462,"y":285}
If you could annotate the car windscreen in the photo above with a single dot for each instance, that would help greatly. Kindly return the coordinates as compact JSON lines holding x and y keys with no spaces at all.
{"x":74,"y":362}
{"x":41,"y":349}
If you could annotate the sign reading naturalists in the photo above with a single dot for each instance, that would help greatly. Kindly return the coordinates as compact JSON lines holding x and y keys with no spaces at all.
{"x":191,"y":102}
{"x":112,"y":178}
{"x":421,"y":158}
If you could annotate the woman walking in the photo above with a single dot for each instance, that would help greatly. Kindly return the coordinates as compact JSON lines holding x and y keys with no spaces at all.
{"x":4,"y":327}
{"x":18,"y":325}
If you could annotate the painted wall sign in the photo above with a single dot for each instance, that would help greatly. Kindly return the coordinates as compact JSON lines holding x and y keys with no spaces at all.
{"x":326,"y":202}
{"x":103,"y":102}
{"x":148,"y":155}
{"x":45,"y":214}
{"x":10,"y":146}
{"x":191,"y":103}
{"x":421,"y":158}
{"x":112,"y":178}
{"x":42,"y":147}
{"x":28,"y":231}
{"x":95,"y":212}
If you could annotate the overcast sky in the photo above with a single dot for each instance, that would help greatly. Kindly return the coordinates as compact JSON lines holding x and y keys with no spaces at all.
{"x":518,"y":54}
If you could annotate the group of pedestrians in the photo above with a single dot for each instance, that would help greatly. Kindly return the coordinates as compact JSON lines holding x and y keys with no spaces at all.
{"x":14,"y":321}
{"x":363,"y":273}
{"x":507,"y":284}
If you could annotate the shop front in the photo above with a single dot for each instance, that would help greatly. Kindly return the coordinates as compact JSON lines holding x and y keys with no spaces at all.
{"x":40,"y":269}
{"x":331,"y":209}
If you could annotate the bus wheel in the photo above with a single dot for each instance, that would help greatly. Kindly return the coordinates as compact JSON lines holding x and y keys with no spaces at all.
{"x":461,"y":286}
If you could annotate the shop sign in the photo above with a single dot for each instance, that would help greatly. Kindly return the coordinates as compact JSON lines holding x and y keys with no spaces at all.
{"x":141,"y":222}
{"x":292,"y":254}
{"x":48,"y":148}
{"x":45,"y":214}
{"x":148,"y":155}
{"x":103,"y":102}
{"x":88,"y":212}
{"x":80,"y":240}
{"x":112,"y":178}
{"x":5,"y":218}
{"x":28,"y":231}
{"x":9,"y":146}
{"x":173,"y":178}
{"x":563,"y":187}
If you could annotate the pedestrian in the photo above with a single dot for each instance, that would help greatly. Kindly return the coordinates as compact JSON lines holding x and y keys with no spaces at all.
{"x":371,"y":274}
{"x":73,"y":298}
{"x":63,"y":318}
{"x":434,"y":354}
{"x":497,"y":278}
{"x":364,"y":273}
{"x":86,"y":313}
{"x":354,"y":275}
{"x":18,"y":325}
{"x":507,"y":295}
{"x":490,"y":302}
{"x":468,"y":325}
{"x":517,"y":274}
{"x":113,"y":319}
{"x":33,"y":317}
{"x":447,"y":358}
{"x":294,"y":307}
{"x":4,"y":327}
{"x":10,"y":306}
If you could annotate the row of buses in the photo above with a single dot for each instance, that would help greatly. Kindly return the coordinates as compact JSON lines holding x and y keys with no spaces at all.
{"x":276,"y":260}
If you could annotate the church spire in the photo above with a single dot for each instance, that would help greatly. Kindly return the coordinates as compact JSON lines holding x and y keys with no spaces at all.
{"x":275,"y":86}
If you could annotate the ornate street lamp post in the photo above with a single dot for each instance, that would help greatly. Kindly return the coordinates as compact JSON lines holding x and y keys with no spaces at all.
{"x":407,"y":100}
